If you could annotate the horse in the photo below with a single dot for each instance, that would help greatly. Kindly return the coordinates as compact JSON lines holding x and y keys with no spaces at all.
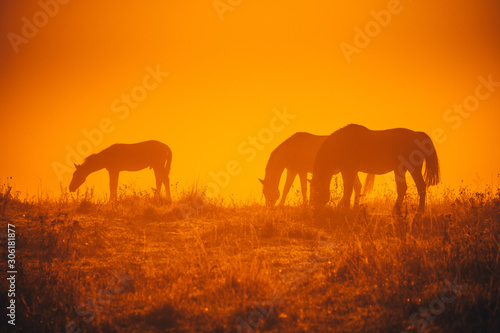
{"x":355,"y":148}
{"x":296,"y":154}
{"x":127,"y":157}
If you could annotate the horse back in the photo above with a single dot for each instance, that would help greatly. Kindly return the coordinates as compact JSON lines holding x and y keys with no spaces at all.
{"x":298,"y":151}
{"x":137,"y":156}
{"x":357,"y":148}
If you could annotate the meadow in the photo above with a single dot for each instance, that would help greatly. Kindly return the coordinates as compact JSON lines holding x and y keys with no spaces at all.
{"x":215,"y":265}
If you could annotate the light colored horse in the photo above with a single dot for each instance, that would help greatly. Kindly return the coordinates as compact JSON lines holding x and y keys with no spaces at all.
{"x":296,"y":154}
{"x":355,"y":148}
{"x":127,"y":157}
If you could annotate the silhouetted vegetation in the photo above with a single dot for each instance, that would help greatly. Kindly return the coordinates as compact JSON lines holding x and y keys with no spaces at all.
{"x":202,"y":265}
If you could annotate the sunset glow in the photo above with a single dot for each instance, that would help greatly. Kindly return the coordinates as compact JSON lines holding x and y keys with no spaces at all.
{"x":250,"y":166}
{"x":217,"y":83}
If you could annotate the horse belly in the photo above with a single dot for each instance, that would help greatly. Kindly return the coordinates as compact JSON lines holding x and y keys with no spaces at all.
{"x":375,"y":161}
{"x":135,"y":168}
{"x":132,"y":163}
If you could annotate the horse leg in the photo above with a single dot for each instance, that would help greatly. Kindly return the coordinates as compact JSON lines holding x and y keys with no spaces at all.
{"x":401,"y":189}
{"x":159,"y":181}
{"x":162,"y":177}
{"x":357,"y":190}
{"x":290,"y":177}
{"x":348,"y":179}
{"x":113,"y":184}
{"x":421,"y":188}
{"x":166,"y":183}
{"x":303,"y":186}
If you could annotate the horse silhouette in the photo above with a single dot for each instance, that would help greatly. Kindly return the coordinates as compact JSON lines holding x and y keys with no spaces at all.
{"x":127,"y":157}
{"x":296,"y":154}
{"x":355,"y":148}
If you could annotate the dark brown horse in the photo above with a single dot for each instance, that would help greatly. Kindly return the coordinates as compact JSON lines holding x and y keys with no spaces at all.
{"x":355,"y":148}
{"x":296,"y":154}
{"x":127,"y":157}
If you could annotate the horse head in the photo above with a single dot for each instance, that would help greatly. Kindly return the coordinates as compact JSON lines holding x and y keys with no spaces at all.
{"x":320,"y":192}
{"x":271,"y":193}
{"x":78,"y":179}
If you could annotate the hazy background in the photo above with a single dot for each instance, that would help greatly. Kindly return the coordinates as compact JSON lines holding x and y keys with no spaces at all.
{"x":227,"y":76}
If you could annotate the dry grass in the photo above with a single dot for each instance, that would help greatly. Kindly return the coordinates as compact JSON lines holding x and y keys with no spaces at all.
{"x":140,"y":265}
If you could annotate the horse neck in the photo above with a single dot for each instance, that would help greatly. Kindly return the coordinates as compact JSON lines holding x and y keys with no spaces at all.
{"x":274,"y":169}
{"x":323,"y":173}
{"x":93,"y":163}
{"x":323,"y":176}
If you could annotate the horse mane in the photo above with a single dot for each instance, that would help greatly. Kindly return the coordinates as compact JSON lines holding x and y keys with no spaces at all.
{"x":273,"y":158}
{"x":351,"y":126}
{"x":90,"y":158}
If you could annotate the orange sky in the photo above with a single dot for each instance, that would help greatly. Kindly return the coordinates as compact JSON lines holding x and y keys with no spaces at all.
{"x":227,"y":76}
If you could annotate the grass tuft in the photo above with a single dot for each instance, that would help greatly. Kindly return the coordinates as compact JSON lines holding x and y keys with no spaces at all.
{"x":142,"y":264}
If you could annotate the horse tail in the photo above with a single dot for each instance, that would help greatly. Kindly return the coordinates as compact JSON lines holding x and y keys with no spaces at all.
{"x":369,"y":182}
{"x":431,"y":174}
{"x":168,"y":162}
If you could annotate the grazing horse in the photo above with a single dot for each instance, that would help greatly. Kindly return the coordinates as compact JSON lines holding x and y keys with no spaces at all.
{"x":355,"y":148}
{"x":296,"y":154}
{"x":127,"y":157}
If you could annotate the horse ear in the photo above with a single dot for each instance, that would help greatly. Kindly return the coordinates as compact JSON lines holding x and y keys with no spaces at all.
{"x":262,"y":181}
{"x":76,"y":165}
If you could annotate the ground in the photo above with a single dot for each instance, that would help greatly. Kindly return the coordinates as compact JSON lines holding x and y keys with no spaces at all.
{"x":201,"y":265}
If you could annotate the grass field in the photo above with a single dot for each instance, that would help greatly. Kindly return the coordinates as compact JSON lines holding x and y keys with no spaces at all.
{"x":201,"y":265}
